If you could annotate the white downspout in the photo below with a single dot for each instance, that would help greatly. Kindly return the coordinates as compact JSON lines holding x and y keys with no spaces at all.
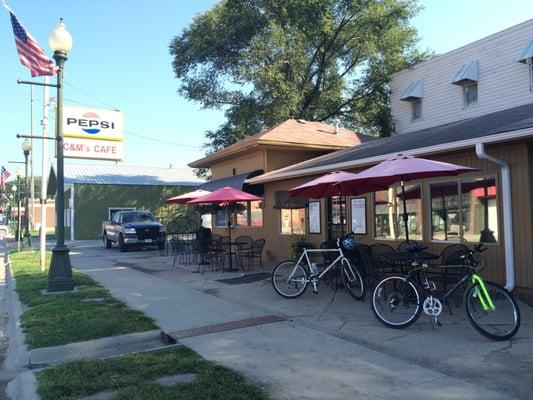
{"x":507,"y":213}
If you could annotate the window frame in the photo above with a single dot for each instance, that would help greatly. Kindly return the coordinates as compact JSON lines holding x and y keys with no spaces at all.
{"x":417,"y":101}
{"x":460,"y":180}
{"x":466,"y":86}
{"x":248,"y":217}
{"x":399,"y":204}
{"x":304,"y":225}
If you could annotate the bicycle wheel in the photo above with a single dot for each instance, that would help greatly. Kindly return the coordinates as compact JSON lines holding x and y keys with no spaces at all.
{"x":396,"y":302}
{"x":499,"y":324}
{"x":289,"y":279}
{"x":352,"y":280}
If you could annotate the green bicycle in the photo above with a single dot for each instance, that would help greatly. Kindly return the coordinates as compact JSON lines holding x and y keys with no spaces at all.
{"x":398,"y":300}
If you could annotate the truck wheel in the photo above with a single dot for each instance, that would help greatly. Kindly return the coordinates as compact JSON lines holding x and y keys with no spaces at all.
{"x":161,"y":245}
{"x":107,"y":242}
{"x":122,"y":246}
{"x":2,"y":234}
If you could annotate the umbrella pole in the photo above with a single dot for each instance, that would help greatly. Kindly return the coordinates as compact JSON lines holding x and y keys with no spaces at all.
{"x":445,"y":213}
{"x":229,"y":237}
{"x":405,"y":217}
{"x":342,"y":216}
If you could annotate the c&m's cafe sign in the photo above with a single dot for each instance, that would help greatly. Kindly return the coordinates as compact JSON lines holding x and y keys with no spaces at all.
{"x":93,"y":133}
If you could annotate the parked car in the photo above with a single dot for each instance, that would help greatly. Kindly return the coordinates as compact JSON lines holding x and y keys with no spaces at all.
{"x":128,"y":228}
{"x":4,"y":230}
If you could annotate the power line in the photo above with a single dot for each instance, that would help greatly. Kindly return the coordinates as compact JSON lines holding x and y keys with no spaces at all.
{"x":128,"y":132}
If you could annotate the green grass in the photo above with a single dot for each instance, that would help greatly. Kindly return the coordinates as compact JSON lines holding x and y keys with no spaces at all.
{"x":133,"y":376}
{"x":59,"y":319}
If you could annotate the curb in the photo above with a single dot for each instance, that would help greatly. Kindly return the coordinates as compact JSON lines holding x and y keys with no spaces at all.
{"x":24,"y":385}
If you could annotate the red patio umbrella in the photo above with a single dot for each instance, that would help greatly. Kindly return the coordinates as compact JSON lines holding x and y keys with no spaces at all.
{"x":185,"y":197}
{"x":226,"y":195}
{"x":402,"y":168}
{"x":331,"y":184}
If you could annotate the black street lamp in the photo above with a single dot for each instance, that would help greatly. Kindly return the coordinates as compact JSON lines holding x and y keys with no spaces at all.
{"x":26,"y":148}
{"x":18,"y":174}
{"x":60,"y":273}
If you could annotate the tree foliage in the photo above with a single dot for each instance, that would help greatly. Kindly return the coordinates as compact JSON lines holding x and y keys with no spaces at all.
{"x":263,"y":61}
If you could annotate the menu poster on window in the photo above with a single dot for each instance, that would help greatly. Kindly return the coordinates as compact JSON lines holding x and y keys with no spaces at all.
{"x":359,"y":216}
{"x":314,"y":217}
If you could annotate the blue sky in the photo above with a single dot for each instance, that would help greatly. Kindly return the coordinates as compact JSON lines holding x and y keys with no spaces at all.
{"x":120,"y":59}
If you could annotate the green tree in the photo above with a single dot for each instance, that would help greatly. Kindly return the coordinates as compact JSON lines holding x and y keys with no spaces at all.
{"x":263,"y":61}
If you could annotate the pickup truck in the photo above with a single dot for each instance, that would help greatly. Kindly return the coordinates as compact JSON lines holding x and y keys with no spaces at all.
{"x":4,"y":230}
{"x":129,"y":228}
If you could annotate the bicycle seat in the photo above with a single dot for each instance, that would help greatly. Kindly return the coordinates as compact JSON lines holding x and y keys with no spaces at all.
{"x":415,"y":247}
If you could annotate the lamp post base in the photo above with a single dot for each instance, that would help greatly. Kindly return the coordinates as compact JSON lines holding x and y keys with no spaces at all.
{"x":60,"y":274}
{"x":26,"y":241}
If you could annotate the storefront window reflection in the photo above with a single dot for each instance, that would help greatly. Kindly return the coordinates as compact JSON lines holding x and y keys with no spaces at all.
{"x":388,"y":213}
{"x":471,"y":216}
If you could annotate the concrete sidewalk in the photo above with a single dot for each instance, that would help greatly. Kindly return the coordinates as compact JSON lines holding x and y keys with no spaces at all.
{"x":292,"y":359}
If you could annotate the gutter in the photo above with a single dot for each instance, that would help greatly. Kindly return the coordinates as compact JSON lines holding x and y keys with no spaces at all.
{"x":288,"y":173}
{"x":507,"y":213}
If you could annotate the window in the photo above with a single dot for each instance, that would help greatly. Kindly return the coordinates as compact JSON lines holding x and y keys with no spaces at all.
{"x":470,"y":94}
{"x":388,"y":213}
{"x":256,"y":213}
{"x":336,"y":202}
{"x":464,"y":210}
{"x":416,"y":108}
{"x":445,"y":211}
{"x":240,"y":212}
{"x":245,"y":213}
{"x":292,"y":221}
{"x":113,"y":210}
{"x":220,"y":218}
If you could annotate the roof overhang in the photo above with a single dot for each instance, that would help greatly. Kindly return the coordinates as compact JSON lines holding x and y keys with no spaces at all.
{"x":235,"y":181}
{"x":286,"y":173}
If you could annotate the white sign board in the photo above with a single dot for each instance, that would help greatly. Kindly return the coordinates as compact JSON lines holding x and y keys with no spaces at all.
{"x":92,"y":133}
{"x":92,"y":123}
{"x":359,"y":216}
{"x":314,"y":217}
{"x":93,"y":149}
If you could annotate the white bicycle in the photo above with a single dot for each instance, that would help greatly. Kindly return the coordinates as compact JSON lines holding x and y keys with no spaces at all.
{"x":291,"y":279}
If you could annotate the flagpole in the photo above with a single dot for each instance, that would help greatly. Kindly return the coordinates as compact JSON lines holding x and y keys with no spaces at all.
{"x":44,"y":208}
{"x":32,"y":179}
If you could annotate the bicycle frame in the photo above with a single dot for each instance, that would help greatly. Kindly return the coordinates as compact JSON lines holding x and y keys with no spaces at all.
{"x":483,"y":295}
{"x":331,"y":265}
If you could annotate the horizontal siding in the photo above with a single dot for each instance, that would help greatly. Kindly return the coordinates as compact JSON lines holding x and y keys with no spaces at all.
{"x":503,"y":82}
{"x":277,"y":246}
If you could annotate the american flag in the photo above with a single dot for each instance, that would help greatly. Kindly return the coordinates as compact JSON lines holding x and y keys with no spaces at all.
{"x":30,"y":53}
{"x":3,"y":178}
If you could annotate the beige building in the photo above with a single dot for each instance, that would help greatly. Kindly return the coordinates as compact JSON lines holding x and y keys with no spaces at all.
{"x":472,"y":106}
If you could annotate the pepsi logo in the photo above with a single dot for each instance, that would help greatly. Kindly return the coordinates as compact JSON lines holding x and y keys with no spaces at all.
{"x":91,"y":123}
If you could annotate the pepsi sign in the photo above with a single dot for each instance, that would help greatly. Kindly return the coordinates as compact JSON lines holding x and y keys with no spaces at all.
{"x":91,"y":133}
{"x":96,"y":124}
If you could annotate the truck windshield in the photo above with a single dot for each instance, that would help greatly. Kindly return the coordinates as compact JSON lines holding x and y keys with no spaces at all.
{"x":137,"y":217}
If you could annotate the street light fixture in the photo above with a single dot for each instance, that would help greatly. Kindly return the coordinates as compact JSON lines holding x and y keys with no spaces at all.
{"x":60,"y":273}
{"x":26,"y":148}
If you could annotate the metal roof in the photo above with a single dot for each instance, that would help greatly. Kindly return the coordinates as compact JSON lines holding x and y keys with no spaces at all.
{"x":123,"y":175}
{"x":526,"y":56}
{"x":469,"y":72}
{"x":414,"y":91}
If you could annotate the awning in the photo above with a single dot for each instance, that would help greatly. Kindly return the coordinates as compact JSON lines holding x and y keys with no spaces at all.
{"x":526,"y":56}
{"x":469,"y":72}
{"x":414,"y":91}
{"x":237,"y":182}
{"x":284,"y":200}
